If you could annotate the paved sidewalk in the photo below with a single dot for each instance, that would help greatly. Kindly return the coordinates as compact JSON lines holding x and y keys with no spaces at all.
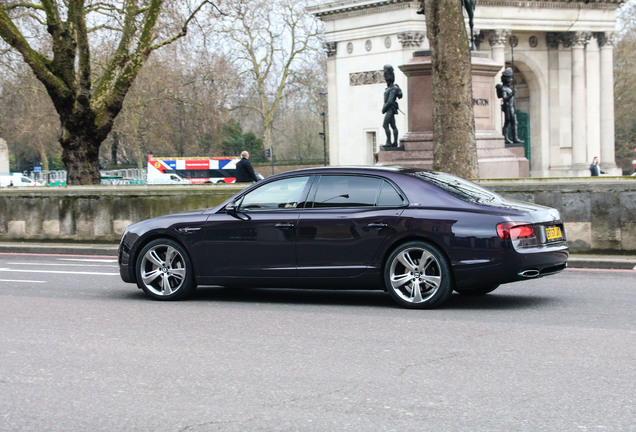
{"x":625,"y":262}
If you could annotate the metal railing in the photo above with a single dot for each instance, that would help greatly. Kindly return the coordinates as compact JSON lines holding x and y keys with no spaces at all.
{"x":109,"y":177}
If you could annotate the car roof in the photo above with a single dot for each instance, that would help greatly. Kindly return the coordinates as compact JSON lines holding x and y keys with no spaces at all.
{"x":357,"y":168}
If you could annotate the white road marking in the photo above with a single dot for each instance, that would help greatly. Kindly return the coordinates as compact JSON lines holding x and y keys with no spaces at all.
{"x":60,"y":264}
{"x":59,"y":272}
{"x":24,"y":281}
{"x":89,"y":260}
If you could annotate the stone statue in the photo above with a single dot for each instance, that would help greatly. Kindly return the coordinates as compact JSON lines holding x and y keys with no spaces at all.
{"x":507,"y":96}
{"x":392,"y":93}
{"x":469,"y":5}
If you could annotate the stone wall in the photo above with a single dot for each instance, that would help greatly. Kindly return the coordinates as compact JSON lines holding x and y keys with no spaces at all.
{"x":599,"y":214}
{"x":84,"y":213}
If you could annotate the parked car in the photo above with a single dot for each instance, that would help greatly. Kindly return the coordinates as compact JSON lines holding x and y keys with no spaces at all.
{"x":417,"y":234}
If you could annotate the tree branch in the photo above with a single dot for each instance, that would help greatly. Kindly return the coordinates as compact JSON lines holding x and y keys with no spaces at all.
{"x":184,"y":28}
{"x":36,"y":61}
{"x":77,"y":15}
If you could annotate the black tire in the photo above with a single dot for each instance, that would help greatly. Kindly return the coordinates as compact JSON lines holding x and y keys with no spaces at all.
{"x":417,"y":276}
{"x":164,"y":270}
{"x":477,"y":291}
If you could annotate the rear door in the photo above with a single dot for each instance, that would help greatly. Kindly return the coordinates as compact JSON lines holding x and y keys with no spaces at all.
{"x":344,"y":224}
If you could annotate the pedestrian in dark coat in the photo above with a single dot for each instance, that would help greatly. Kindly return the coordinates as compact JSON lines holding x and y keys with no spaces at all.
{"x":244,"y":171}
{"x":595,"y":168}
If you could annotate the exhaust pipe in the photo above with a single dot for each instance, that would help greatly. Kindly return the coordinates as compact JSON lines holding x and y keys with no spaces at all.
{"x":529,"y":273}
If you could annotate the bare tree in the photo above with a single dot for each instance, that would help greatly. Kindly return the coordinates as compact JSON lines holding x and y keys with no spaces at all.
{"x":175,"y":106}
{"x":269,"y":41}
{"x":300,"y":114}
{"x":625,"y":87}
{"x":21,"y":97}
{"x":455,"y":149}
{"x":88,"y":101}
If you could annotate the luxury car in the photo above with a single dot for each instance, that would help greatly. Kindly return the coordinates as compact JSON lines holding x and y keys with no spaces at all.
{"x":419,"y":235}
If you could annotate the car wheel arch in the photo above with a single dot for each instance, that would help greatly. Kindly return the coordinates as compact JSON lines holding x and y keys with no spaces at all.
{"x":155,"y":236}
{"x":418,"y":274}
{"x":402,"y":241}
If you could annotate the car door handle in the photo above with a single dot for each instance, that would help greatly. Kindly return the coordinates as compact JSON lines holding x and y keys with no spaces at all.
{"x":377,"y":225}
{"x":284,"y":226}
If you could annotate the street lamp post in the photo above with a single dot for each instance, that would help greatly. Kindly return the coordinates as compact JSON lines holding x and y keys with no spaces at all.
{"x":323,"y":134}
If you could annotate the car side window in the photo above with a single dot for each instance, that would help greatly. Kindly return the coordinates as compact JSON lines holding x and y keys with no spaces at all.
{"x":280,"y":194}
{"x":353,"y":191}
{"x":389,"y":197}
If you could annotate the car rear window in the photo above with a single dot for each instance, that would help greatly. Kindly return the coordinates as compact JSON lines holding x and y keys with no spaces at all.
{"x":458,"y":187}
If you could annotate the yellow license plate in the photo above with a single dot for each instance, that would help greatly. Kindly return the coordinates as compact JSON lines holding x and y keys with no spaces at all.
{"x":553,"y":233}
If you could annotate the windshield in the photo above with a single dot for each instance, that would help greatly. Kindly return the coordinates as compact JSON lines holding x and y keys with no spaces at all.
{"x":458,"y":187}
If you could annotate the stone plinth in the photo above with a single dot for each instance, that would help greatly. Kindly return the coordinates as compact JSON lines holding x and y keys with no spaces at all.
{"x":496,"y":160}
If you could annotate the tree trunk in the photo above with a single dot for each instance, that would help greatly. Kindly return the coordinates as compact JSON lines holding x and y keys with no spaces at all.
{"x":455,"y":149}
{"x":267,"y":141}
{"x":82,"y":166}
{"x":115,"y":148}
{"x":43,"y":157}
{"x":80,"y":154}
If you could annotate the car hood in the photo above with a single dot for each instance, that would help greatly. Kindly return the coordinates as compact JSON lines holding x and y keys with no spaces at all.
{"x":168,"y":220}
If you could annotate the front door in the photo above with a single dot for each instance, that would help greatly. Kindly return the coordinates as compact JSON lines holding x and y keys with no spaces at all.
{"x":260,"y":240}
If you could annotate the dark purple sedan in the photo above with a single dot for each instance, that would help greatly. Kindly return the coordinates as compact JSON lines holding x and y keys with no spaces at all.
{"x":420,"y":235}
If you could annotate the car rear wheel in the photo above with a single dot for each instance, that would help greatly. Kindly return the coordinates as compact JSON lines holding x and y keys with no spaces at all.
{"x":418,"y":276}
{"x":477,"y":291}
{"x":164,"y":270}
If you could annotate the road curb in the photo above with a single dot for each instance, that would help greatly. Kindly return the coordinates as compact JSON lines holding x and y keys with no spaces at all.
{"x":602,"y":262}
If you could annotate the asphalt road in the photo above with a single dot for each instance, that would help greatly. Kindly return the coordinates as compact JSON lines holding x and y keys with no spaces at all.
{"x":80,"y":350}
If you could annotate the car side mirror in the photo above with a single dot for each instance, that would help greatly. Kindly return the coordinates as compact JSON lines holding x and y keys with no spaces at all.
{"x":232,"y":210}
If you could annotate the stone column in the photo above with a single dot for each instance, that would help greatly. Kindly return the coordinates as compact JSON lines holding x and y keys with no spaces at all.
{"x":498,"y":40}
{"x":579,"y":112}
{"x":606,"y":44}
{"x":565,"y":97}
{"x":331,"y":48}
{"x":593,"y":102}
{"x":554,"y":105}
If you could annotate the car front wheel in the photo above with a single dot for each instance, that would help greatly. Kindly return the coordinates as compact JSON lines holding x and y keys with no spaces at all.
{"x":418,"y":276}
{"x":164,"y":270}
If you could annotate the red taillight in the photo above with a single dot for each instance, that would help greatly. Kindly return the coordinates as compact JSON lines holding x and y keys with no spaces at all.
{"x":514,"y":231}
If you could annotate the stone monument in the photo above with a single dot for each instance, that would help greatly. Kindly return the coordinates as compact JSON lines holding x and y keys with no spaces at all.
{"x":4,"y":157}
{"x":495,"y":159}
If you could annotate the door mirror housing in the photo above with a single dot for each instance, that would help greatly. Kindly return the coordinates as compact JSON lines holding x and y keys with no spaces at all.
{"x":232,"y":210}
